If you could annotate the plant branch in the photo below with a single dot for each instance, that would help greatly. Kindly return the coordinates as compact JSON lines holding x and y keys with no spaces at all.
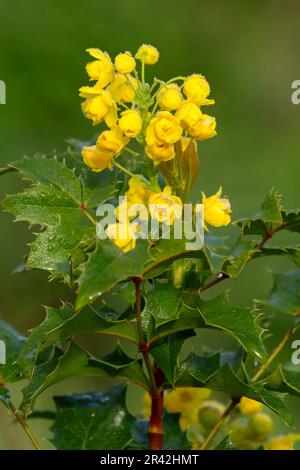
{"x":25,"y":427}
{"x":143,"y":347}
{"x":275,"y":353}
{"x":156,"y":378}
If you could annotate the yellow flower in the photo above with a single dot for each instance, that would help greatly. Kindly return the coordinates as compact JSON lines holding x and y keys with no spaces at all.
{"x":249,"y":407}
{"x":188,"y":114}
{"x":122,"y":235}
{"x":186,"y":401}
{"x":204,"y":129}
{"x":137,"y":192}
{"x":209,"y":413}
{"x":196,"y":88}
{"x":111,"y":140}
{"x":124,"y":63}
{"x":282,"y":442}
{"x":216,"y":209}
{"x":179,"y":399}
{"x":148,"y":53}
{"x":98,"y":105}
{"x":123,"y":88}
{"x":164,"y":206}
{"x":101,"y":69}
{"x":97,"y":159}
{"x":131,"y":123}
{"x":169,"y":97}
{"x":160,"y":152}
{"x":163,"y":129}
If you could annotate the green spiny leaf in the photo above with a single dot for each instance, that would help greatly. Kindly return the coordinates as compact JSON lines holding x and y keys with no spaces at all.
{"x":83,"y":421}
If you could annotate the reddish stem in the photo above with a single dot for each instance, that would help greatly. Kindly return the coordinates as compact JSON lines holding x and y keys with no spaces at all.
{"x":155,"y":428}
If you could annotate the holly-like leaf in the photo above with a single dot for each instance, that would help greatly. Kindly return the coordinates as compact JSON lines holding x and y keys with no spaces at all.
{"x":89,"y":321}
{"x":43,"y":205}
{"x":174,"y":437}
{"x":289,"y":251}
{"x":188,"y":319}
{"x":241,"y":323}
{"x":163,"y":303}
{"x":11,"y":343}
{"x":77,"y":362}
{"x":291,"y":220}
{"x":165,"y":353}
{"x":36,"y":341}
{"x":92,"y":421}
{"x":208,"y":372}
{"x":285,"y":293}
{"x":268,"y":218}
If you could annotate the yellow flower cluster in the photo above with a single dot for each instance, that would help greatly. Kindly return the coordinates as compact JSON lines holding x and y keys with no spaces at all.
{"x":199,"y":414}
{"x":157,"y":117}
{"x":176,"y":110}
{"x":161,"y":205}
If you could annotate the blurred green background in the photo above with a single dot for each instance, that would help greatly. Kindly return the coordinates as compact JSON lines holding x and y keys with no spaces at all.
{"x":247,"y":50}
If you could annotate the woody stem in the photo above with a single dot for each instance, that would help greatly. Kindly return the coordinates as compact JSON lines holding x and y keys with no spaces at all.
{"x":155,"y":428}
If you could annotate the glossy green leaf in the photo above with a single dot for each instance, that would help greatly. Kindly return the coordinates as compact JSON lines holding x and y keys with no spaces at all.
{"x":13,"y":341}
{"x":241,"y":323}
{"x":77,"y":362}
{"x":285,"y":294}
{"x":268,"y":218}
{"x":92,"y":421}
{"x":208,"y":372}
{"x":165,"y":353}
{"x":37,"y":341}
{"x":163,"y":303}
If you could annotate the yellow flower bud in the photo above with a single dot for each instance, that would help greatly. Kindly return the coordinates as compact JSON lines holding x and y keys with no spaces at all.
{"x":188,"y":114}
{"x":111,"y":140}
{"x":123,"y":88}
{"x":124,"y":63}
{"x":101,"y":69}
{"x":209,"y":413}
{"x":261,"y":425}
{"x":164,"y":206}
{"x":216,"y":209}
{"x":169,"y":98}
{"x":163,"y":129}
{"x":99,"y":107}
{"x":160,"y":152}
{"x":97,"y":159}
{"x":204,"y":129}
{"x":122,"y":235}
{"x":148,"y":53}
{"x":131,"y":123}
{"x":249,"y":407}
{"x":282,"y":442}
{"x":196,"y":88}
